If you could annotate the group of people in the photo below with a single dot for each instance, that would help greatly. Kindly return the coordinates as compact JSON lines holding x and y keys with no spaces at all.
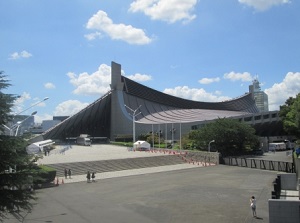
{"x":68,"y":173}
{"x":90,"y":176}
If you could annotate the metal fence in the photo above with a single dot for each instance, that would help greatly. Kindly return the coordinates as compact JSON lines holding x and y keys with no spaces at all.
{"x":280,"y":166}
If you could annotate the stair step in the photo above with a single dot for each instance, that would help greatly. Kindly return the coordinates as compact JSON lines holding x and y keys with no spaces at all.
{"x":80,"y":168}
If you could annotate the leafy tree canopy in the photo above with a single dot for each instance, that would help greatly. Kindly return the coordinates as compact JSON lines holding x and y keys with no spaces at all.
{"x":231,"y":137}
{"x":290,"y":115}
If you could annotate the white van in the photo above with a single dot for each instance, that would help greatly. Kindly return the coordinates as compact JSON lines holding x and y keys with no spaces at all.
{"x":277,"y":146}
{"x":84,"y":141}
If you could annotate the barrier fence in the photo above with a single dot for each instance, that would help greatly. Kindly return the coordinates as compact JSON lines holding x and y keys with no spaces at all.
{"x":280,"y":166}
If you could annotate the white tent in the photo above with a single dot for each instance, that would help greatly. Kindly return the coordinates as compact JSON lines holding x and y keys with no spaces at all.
{"x":38,"y":147}
{"x":141,"y":145}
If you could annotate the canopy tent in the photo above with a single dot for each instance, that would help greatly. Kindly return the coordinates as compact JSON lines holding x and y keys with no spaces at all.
{"x":141,"y":145}
{"x":38,"y":147}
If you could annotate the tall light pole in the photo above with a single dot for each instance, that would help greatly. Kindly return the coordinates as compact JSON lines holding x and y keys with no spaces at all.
{"x":46,"y":98}
{"x":17,"y":126}
{"x":209,"y":145}
{"x":133,"y":121}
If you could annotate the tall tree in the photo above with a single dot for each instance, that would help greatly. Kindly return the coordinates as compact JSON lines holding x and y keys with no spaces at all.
{"x":290,"y":115}
{"x":231,"y":137}
{"x":17,"y":169}
{"x":6,"y":101}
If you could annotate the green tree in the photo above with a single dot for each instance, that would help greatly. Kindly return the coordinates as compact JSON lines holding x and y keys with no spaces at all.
{"x":290,"y":115}
{"x":231,"y":137}
{"x":17,"y":170}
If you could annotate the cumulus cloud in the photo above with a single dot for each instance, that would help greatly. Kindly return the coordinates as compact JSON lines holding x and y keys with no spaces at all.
{"x":70,"y":107}
{"x":19,"y":55}
{"x":140,"y":77}
{"x":195,"y":94}
{"x":166,"y":10}
{"x":280,"y":92}
{"x":208,"y":80}
{"x":102,"y":23}
{"x":96,"y":83}
{"x":40,"y":118}
{"x":49,"y":85}
{"x":92,"y":36}
{"x":262,"y":5}
{"x":233,"y":76}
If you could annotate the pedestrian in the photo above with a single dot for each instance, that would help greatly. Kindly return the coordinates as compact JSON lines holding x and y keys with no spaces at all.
{"x":93,"y":176}
{"x":253,"y":206}
{"x":88,"y":176}
{"x":70,"y":173}
{"x":66,"y":173}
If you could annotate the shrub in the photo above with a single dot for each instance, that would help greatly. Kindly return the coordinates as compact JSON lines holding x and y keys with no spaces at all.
{"x":45,"y":174}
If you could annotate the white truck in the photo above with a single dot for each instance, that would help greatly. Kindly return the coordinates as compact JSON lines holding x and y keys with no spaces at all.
{"x":83,"y":140}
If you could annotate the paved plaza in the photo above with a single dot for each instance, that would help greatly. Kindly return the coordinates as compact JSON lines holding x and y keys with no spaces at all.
{"x":180,"y":193}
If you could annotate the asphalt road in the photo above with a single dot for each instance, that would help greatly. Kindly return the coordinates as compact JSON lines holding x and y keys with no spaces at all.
{"x":205,"y":194}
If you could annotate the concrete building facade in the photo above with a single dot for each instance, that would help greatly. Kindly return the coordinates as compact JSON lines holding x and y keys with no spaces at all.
{"x":111,"y":115}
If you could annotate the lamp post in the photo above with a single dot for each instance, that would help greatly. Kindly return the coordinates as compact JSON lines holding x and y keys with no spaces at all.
{"x":19,"y":123}
{"x":133,"y":121}
{"x":209,"y":145}
{"x":46,"y":98}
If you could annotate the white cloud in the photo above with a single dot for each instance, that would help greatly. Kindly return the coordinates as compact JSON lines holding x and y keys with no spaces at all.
{"x":195,"y":94}
{"x":49,"y":85}
{"x":101,"y":22}
{"x":92,"y":36}
{"x":233,"y":76}
{"x":16,"y":55}
{"x":69,"y":108}
{"x":262,"y":5}
{"x":166,"y":10}
{"x":208,"y":80}
{"x":40,"y":118}
{"x":280,"y":92}
{"x":96,"y":83}
{"x":140,"y":77}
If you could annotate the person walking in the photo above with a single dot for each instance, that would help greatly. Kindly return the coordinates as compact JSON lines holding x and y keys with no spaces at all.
{"x":93,"y":176}
{"x":66,"y":173}
{"x":88,"y":176}
{"x":253,"y":206}
{"x":70,"y":173}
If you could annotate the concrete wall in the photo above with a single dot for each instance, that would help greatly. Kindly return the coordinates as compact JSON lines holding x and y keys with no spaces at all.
{"x":297,"y":167}
{"x":288,"y":181}
{"x":287,"y":211}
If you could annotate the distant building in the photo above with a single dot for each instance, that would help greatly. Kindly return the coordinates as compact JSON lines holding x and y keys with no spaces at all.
{"x":260,"y":97}
{"x":47,"y":124}
{"x":19,"y":125}
{"x":60,"y":118}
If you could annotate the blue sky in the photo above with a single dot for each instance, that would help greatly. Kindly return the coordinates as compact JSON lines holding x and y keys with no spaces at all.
{"x":205,"y":50}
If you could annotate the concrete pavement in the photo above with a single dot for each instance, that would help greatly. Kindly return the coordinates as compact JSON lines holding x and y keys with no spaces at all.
{"x":172,"y":194}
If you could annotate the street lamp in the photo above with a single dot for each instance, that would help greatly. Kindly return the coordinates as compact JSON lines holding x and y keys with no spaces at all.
{"x":209,"y":145}
{"x":19,"y":123}
{"x":46,"y":98}
{"x":133,"y":121}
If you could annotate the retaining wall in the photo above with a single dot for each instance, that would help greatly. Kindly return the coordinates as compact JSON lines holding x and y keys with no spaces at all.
{"x":287,"y":211}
